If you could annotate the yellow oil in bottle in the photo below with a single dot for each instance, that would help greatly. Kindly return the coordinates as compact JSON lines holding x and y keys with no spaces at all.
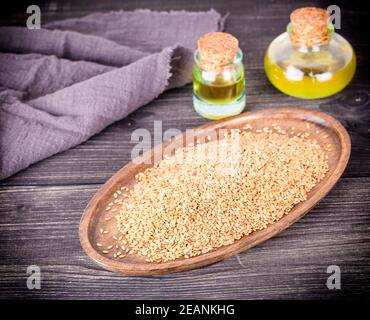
{"x":311,"y":85}
{"x":310,"y":73}
{"x":219,"y":91}
{"x":218,"y":95}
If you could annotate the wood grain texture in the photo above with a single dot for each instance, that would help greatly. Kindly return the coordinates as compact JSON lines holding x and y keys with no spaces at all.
{"x":40,"y":208}
{"x":40,"y":226}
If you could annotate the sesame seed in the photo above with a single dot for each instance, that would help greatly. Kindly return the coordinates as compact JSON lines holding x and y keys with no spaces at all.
{"x":241,"y":186}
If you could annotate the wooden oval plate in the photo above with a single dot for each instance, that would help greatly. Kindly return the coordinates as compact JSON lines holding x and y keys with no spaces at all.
{"x":98,"y":227}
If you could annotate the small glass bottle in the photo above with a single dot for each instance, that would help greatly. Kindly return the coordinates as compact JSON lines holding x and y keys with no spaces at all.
{"x":310,"y":60}
{"x":218,"y":76}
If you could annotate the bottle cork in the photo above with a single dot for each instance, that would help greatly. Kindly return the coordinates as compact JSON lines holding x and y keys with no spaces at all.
{"x":217,"y":49}
{"x":309,"y":26}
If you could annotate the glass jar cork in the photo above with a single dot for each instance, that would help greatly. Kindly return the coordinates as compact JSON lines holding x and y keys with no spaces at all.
{"x":218,"y":76}
{"x":310,"y":60}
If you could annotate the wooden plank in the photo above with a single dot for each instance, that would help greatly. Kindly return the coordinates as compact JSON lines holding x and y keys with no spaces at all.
{"x":39,"y":225}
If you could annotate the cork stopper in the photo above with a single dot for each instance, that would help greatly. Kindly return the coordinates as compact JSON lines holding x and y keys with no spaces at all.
{"x":217,"y":49}
{"x":309,"y":26}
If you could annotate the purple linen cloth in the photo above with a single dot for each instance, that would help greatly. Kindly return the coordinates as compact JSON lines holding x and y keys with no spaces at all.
{"x":67,"y":81}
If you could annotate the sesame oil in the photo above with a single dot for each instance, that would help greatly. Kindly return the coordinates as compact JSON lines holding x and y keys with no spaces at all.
{"x":310,"y":60}
{"x":218,"y":76}
{"x":220,"y":90}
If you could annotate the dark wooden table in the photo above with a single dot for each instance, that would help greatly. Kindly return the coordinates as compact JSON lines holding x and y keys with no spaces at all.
{"x":40,"y":208}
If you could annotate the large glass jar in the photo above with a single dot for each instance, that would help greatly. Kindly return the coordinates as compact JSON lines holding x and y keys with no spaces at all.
{"x":218,"y":91}
{"x":310,"y":71}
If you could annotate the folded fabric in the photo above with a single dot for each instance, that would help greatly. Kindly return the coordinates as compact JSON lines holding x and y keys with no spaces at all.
{"x":67,"y":81}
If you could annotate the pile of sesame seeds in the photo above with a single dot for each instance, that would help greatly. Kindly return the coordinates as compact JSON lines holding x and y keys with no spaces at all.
{"x":209,"y":195}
